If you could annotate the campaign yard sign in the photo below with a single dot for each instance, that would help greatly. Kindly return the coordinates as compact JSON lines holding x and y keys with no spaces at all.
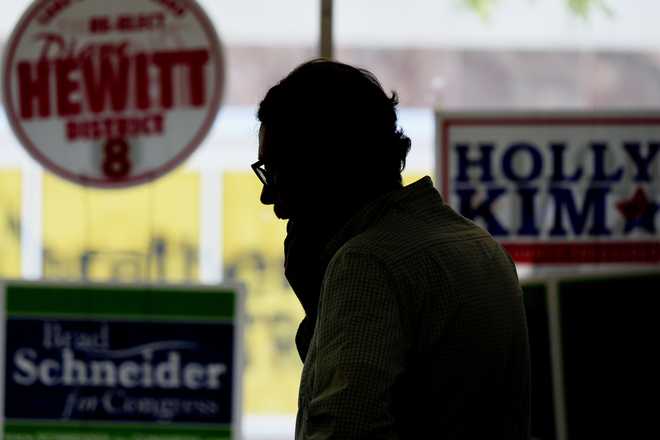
{"x":557,"y":188}
{"x":112,"y":93}
{"x":111,"y":362}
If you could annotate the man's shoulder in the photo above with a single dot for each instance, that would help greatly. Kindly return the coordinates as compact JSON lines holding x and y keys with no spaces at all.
{"x":402,"y":232}
{"x":417,"y":247}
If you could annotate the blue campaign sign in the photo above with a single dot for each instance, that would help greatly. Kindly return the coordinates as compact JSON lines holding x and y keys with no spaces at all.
{"x":557,"y":187}
{"x":119,"y":371}
{"x":113,"y":360}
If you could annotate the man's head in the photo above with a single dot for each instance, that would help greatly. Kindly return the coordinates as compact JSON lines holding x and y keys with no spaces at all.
{"x":328,"y":138}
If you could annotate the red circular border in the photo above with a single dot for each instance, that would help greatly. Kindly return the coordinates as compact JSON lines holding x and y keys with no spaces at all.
{"x":148,"y":176}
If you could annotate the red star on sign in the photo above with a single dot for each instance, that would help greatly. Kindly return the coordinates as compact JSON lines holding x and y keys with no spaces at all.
{"x":634,"y":207}
{"x":639,"y":212}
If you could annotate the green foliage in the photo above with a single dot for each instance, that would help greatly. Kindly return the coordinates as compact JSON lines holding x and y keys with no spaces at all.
{"x":482,"y":7}
{"x":584,"y":7}
{"x":581,"y":8}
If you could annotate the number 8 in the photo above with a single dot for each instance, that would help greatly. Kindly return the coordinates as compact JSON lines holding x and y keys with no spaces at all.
{"x":116,"y":162}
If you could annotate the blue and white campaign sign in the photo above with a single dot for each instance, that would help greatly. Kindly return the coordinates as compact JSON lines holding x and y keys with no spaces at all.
{"x":120,"y":362}
{"x":556,"y":188}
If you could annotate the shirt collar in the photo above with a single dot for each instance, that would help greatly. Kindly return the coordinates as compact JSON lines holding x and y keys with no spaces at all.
{"x":375,"y":210}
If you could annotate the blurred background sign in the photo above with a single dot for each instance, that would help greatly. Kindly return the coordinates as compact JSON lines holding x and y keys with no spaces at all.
{"x":112,"y":93}
{"x":89,"y":360}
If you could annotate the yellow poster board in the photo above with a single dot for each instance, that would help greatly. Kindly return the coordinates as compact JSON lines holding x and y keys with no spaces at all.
{"x":146,"y":233}
{"x":10,"y":223}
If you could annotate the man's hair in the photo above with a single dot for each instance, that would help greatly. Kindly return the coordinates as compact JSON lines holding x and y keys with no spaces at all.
{"x":343,"y":114}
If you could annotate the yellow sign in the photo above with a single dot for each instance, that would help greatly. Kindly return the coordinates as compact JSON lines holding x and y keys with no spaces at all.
{"x":147,"y":233}
{"x":10,"y":223}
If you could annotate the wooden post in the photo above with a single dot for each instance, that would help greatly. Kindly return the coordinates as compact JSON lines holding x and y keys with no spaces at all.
{"x":325,"y":46}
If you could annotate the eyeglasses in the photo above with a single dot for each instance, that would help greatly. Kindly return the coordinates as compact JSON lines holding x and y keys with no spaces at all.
{"x":259,"y":168}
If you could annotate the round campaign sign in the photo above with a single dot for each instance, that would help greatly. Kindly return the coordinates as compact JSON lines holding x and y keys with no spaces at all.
{"x":112,"y":93}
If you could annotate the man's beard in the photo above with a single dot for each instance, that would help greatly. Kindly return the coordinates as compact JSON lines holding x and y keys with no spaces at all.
{"x":302,"y":263}
{"x":304,"y":270}
{"x":280,"y":212}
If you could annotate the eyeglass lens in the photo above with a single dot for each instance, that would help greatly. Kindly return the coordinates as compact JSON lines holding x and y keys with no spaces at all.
{"x":261,"y":172}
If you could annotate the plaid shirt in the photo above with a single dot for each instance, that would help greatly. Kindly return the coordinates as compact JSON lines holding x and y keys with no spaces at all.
{"x":420,"y":331}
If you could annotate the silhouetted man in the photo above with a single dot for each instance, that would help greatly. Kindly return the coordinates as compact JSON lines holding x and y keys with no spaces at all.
{"x":414,"y":325}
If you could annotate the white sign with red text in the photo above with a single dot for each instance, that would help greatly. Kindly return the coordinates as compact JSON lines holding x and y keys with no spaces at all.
{"x":557,"y":188}
{"x":112,"y":93}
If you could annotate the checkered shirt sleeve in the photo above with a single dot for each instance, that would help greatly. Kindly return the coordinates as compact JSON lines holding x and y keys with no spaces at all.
{"x":359,"y":351}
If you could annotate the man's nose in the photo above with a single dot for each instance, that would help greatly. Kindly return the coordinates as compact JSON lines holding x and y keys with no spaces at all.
{"x":267,"y":196}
